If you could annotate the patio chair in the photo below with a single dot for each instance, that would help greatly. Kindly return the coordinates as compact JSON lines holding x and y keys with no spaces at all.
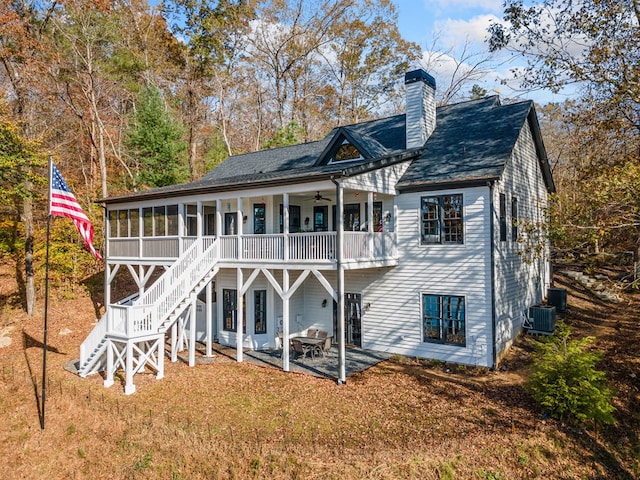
{"x":312,"y":332}
{"x":326,"y":346}
{"x":299,"y":349}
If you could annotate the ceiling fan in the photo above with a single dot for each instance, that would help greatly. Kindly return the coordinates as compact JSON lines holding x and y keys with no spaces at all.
{"x":320,"y":198}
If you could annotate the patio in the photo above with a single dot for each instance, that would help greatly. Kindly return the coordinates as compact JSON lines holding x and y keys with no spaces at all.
{"x":357,"y":360}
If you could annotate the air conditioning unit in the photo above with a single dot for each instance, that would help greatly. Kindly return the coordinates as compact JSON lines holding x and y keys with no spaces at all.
{"x":543,"y":318}
{"x":558,"y":298}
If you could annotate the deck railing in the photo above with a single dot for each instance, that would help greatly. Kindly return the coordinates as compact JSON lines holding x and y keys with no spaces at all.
{"x":312,"y":246}
{"x":307,"y":246}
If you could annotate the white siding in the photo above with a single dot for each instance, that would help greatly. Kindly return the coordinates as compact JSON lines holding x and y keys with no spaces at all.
{"x":521,"y":278}
{"x":382,"y":181}
{"x":393,"y":322}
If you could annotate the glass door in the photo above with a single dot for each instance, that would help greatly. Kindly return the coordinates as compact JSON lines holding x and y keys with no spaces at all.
{"x":352,"y":317}
{"x":320,"y":218}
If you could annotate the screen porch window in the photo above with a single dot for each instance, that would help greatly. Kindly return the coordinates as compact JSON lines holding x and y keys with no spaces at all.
{"x":441,"y":219}
{"x":124,"y":223}
{"x":443,"y":319}
{"x":191,"y":222}
{"x":160,"y":221}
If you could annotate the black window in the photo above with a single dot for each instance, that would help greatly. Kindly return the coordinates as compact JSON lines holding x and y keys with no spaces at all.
{"x":441,"y":219}
{"x":503,"y":217}
{"x":209,"y":214}
{"x":294,"y":219}
{"x":229,"y":317}
{"x":443,"y":319}
{"x":377,"y":216}
{"x":514,"y":219}
{"x":260,"y":311}
{"x":352,"y":217}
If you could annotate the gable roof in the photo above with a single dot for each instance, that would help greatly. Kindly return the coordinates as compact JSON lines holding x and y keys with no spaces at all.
{"x":470,"y":145}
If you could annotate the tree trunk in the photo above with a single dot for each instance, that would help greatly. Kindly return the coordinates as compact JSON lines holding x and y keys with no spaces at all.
{"x":636,"y":260}
{"x":27,"y":218}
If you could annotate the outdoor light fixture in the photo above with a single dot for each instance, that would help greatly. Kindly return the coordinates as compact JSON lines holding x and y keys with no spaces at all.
{"x":324,"y":303}
{"x":244,"y":219}
{"x":306,"y":222}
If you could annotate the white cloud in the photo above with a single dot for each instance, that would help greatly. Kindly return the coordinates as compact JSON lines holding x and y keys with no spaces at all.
{"x":474,"y":30}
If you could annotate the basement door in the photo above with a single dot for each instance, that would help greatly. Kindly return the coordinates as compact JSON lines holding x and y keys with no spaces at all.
{"x":352,"y":317}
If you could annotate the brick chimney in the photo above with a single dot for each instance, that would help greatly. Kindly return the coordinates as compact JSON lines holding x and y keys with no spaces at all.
{"x":421,"y":107}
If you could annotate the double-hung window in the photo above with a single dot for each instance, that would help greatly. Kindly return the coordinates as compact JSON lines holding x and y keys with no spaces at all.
{"x":441,"y":219}
{"x":443,"y":319}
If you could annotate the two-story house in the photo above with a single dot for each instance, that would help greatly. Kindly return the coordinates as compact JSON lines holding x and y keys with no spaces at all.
{"x":410,"y":234}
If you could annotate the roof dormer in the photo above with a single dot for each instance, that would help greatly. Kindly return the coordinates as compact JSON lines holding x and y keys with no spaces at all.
{"x":349,"y":146}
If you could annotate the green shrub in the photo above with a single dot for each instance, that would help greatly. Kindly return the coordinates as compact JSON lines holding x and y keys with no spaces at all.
{"x":565,"y":381}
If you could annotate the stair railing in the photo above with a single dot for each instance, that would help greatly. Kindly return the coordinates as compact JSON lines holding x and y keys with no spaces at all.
{"x":182,"y":285}
{"x":93,"y":340}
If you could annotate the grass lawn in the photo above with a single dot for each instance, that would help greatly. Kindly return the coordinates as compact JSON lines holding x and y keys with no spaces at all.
{"x":403,"y":418}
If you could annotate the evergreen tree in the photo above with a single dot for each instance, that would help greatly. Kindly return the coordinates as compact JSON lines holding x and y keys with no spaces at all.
{"x":156,"y":141}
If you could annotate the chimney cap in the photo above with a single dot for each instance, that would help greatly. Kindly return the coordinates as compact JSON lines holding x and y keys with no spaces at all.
{"x":419,"y":75}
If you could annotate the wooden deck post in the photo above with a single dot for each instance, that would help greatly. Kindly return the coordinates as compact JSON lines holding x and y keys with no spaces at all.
{"x":108,"y":379}
{"x":129,"y":387}
{"x":192,"y":330}
{"x":239,"y":315}
{"x":285,"y":320}
{"x":342,"y":375}
{"x":209,"y":319}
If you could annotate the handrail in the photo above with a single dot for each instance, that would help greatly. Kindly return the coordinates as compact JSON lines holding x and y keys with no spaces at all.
{"x":151,"y":295}
{"x":93,"y":339}
{"x":184,"y":283}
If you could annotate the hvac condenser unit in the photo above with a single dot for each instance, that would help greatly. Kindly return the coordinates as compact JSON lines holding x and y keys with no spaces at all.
{"x":542,"y":318}
{"x":558,"y":298}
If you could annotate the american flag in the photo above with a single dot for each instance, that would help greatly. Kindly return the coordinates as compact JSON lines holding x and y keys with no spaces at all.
{"x":63,"y":203}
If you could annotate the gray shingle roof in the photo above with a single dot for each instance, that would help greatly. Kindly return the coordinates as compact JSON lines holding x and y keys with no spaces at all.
{"x":471,"y":143}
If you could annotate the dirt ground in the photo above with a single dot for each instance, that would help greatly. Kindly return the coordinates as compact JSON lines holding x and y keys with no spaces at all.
{"x":404,"y":418}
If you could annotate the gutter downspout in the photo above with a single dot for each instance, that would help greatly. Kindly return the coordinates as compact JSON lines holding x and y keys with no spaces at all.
{"x":342,"y":375}
{"x":494,"y":355}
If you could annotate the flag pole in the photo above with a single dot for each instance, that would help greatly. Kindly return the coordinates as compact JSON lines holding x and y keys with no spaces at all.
{"x":46,"y":309}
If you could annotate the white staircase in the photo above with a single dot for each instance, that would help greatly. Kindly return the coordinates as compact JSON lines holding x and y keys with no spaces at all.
{"x":151,"y":314}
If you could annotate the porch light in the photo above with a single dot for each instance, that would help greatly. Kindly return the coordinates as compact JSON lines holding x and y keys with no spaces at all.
{"x":324,"y":303}
{"x":306,"y":222}
{"x":244,"y":219}
{"x":387,"y":217}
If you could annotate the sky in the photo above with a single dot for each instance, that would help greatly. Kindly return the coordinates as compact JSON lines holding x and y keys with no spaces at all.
{"x":453,"y":21}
